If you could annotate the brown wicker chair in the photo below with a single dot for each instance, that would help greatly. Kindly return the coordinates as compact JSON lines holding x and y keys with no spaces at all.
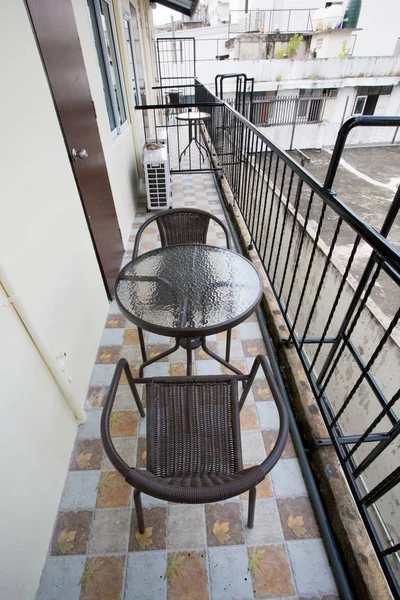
{"x":193,"y":438}
{"x":179,"y":226}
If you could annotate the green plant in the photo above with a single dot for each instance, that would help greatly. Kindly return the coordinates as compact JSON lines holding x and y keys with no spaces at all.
{"x":344,"y":53}
{"x":397,"y":74}
{"x":293,"y":45}
{"x":278,"y":77}
{"x":280,"y":53}
{"x":361,"y":75}
{"x":313,"y":77}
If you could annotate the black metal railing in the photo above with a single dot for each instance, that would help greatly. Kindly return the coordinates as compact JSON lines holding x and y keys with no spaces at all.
{"x":336,"y":280}
{"x":285,"y":110}
{"x":270,"y":21}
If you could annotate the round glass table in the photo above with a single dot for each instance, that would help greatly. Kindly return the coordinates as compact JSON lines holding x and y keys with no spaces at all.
{"x":193,"y":118}
{"x":188,"y":291}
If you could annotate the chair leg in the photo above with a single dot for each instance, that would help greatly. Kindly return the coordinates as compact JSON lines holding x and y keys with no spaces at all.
{"x":139,"y":511}
{"x":228,"y":345}
{"x":252,"y":507}
{"x":142,"y":344}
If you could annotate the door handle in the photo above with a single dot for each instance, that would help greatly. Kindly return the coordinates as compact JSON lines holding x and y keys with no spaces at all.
{"x":79,"y":154}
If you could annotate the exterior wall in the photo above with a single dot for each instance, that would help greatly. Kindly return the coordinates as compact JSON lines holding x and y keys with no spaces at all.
{"x":336,"y":111}
{"x":48,"y":259}
{"x":218,"y":12}
{"x":329,"y":43}
{"x":379,"y":28}
{"x":37,"y":431}
{"x":317,"y":73}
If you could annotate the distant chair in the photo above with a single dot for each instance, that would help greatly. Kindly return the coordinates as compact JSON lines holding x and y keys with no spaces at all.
{"x":194,"y":452}
{"x":180,"y":226}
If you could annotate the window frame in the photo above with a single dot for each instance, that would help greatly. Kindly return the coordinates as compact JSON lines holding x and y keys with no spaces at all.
{"x":365,"y":98}
{"x":95,"y":10}
{"x":136,"y":92}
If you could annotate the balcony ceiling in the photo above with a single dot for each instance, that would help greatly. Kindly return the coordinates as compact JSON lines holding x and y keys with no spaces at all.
{"x":186,"y":7}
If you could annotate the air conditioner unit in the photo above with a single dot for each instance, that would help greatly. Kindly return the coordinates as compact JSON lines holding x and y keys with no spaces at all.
{"x":157,"y":175}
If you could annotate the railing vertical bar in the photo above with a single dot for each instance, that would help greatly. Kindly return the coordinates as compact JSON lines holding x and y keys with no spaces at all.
{"x":322,"y":280}
{"x":336,"y":300}
{"x":323,"y":382}
{"x":283,"y":225}
{"x":295,"y":270}
{"x":288,"y":255}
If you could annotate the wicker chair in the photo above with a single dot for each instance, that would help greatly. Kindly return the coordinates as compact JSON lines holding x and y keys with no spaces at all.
{"x":179,"y":226}
{"x":193,"y":438}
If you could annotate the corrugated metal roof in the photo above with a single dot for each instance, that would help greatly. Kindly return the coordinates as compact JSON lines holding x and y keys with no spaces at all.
{"x":186,"y":7}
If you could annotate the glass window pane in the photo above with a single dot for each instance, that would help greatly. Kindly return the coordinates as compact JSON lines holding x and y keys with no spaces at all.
{"x":359,"y":105}
{"x":138,"y":53}
{"x":112,"y":58}
{"x":100,"y":58}
{"x":130,"y":59}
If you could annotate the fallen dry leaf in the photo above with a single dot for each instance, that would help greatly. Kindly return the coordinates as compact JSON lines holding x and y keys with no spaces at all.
{"x":83,"y":460}
{"x":144,"y":539}
{"x":175,"y":567}
{"x":252,"y":350}
{"x":255,"y":560}
{"x":220,"y":530}
{"x":65,"y":541}
{"x":263,"y":393}
{"x":113,"y":323}
{"x":105,"y":357}
{"x":296,"y":525}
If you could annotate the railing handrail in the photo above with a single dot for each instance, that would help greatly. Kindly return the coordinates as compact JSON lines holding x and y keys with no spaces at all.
{"x":379,"y":244}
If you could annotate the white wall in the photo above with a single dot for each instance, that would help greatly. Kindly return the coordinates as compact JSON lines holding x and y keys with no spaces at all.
{"x":337,"y":109}
{"x":379,"y":23}
{"x":47,"y":257}
{"x":36,"y":436}
{"x":318,"y":73}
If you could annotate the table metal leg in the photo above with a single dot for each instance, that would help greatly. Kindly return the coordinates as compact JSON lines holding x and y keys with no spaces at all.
{"x":228,"y":345}
{"x":188,"y":359}
{"x":146,"y":363}
{"x":218,"y":358}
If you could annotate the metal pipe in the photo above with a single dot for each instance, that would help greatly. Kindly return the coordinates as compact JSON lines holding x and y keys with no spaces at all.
{"x":320,"y":513}
{"x":53,"y":364}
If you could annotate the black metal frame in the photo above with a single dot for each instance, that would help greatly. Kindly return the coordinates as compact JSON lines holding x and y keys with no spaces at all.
{"x":189,"y":339}
{"x":244,"y":479}
{"x":270,"y":190}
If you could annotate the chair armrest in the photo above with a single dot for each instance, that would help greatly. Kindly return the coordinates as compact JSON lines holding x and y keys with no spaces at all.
{"x":135,"y":252}
{"x":120,"y":465}
{"x":279,"y":447}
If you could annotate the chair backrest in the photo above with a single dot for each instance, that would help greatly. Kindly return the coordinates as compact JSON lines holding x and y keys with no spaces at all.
{"x":178,"y":227}
{"x":181,"y":226}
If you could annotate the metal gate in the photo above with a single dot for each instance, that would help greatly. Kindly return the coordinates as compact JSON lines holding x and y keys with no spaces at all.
{"x":176,"y":62}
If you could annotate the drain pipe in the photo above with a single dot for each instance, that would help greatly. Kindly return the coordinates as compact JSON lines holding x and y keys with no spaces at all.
{"x":340,"y":576}
{"x":51,"y":362}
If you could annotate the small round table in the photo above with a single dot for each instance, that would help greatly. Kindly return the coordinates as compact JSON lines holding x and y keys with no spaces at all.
{"x":188,"y":291}
{"x":193,"y":119}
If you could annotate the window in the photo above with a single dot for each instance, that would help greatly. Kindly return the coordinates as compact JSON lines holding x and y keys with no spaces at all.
{"x":132,"y":67}
{"x":109,"y":62}
{"x":367,"y":98}
{"x":311,"y":105}
{"x":137,"y":53}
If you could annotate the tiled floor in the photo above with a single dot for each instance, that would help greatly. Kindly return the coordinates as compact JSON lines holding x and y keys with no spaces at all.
{"x":187,"y":552}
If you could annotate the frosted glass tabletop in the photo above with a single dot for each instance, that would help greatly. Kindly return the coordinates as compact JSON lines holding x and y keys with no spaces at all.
{"x":188,"y":290}
{"x":192,"y":116}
